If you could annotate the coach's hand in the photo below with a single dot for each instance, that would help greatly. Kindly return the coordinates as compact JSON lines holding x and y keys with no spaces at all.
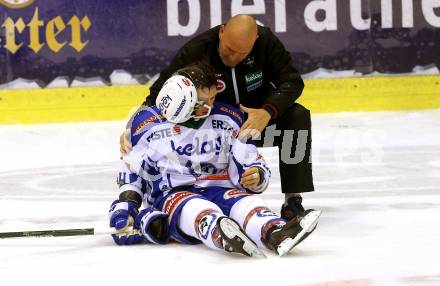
{"x":124,"y":143}
{"x":255,"y":124}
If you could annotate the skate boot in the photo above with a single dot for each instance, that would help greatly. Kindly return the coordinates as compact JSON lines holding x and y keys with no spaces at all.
{"x":284,"y":239}
{"x":293,"y":208}
{"x":235,"y":239}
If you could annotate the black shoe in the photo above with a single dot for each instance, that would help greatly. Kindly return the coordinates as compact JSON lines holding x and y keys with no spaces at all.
{"x":235,"y":239}
{"x":292,"y":209}
{"x":284,"y":239}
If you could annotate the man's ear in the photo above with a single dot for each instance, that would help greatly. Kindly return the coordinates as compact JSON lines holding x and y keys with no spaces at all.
{"x":221,"y":31}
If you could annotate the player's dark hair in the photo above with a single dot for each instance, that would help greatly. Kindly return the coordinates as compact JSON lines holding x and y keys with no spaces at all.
{"x":201,"y":74}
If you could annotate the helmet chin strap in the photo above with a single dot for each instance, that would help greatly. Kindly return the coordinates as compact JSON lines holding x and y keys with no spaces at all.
{"x":201,"y":104}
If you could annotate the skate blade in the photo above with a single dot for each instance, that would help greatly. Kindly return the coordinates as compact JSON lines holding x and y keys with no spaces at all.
{"x":308,"y":223}
{"x":231,"y":230}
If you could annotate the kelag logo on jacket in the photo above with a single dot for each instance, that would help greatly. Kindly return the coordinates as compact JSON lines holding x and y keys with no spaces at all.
{"x":16,"y":3}
{"x":254,"y":80}
{"x":253,"y":77}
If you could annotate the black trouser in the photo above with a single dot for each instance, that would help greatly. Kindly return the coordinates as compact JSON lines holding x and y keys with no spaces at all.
{"x":292,"y":134}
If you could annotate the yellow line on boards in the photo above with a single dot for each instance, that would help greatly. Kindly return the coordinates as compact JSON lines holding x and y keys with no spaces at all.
{"x":115,"y":102}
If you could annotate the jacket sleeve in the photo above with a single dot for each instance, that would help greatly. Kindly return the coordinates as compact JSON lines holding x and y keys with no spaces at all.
{"x":188,"y":54}
{"x":287,"y":84}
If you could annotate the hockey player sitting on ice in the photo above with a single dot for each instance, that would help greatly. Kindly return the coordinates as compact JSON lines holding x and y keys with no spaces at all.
{"x":197,"y":180}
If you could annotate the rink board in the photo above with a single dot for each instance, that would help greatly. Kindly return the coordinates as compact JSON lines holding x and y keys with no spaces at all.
{"x":116,"y":102}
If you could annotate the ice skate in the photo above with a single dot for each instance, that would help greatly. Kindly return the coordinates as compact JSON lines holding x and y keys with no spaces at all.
{"x":235,"y":240}
{"x":284,"y":239}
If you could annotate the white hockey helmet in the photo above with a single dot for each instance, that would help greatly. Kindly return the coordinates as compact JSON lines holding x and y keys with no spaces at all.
{"x":177,"y":99}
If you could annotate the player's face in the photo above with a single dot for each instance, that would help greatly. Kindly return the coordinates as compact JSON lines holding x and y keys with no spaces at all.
{"x":207,"y":95}
{"x":233,"y":50}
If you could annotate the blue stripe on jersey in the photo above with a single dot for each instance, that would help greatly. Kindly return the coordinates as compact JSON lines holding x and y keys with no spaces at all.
{"x":232,"y":112}
{"x":132,"y":178}
{"x":169,"y":180}
{"x":239,"y":167}
{"x":122,"y":178}
{"x":144,"y":187}
{"x":143,"y":121}
{"x":241,"y":170}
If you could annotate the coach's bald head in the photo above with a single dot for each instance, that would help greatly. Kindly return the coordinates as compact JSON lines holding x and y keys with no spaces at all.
{"x":237,"y":38}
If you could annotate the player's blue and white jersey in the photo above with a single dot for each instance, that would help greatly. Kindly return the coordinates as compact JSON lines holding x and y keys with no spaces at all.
{"x":202,"y":153}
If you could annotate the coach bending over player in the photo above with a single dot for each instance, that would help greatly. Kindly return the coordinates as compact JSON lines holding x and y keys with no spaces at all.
{"x":255,"y":73}
{"x":197,"y":180}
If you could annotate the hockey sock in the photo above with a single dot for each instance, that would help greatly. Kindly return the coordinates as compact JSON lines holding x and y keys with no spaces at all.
{"x":256,"y":218}
{"x":198,"y":219}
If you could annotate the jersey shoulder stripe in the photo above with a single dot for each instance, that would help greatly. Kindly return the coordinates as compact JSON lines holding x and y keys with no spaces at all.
{"x":229,"y":111}
{"x":143,"y":121}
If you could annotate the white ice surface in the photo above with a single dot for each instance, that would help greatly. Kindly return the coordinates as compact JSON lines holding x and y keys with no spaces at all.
{"x":377,"y":180}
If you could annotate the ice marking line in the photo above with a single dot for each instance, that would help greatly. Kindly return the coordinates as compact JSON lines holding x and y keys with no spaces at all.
{"x":80,"y":197}
{"x":434,"y":163}
{"x":358,"y":180}
{"x":52,"y":169}
{"x":379,"y":189}
{"x":34,"y":184}
{"x":375,"y":201}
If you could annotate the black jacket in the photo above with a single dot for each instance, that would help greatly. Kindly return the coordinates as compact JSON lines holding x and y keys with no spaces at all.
{"x":265,"y":79}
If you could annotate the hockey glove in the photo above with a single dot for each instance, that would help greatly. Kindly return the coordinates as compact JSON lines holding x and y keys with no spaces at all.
{"x":121,"y":216}
{"x":154,"y":225}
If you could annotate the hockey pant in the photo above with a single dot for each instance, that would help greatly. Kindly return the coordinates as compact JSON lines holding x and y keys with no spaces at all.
{"x":193,"y":215}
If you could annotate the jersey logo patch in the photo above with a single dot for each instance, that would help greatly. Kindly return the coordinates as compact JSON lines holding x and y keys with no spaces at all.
{"x":173,"y":202}
{"x":234,"y":193}
{"x":233,"y":113}
{"x":199,"y":148}
{"x":141,"y":127}
{"x":176,"y":129}
{"x":204,"y":222}
{"x":163,"y":133}
{"x":222,"y":125}
{"x":220,"y":86}
{"x":259,"y":211}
